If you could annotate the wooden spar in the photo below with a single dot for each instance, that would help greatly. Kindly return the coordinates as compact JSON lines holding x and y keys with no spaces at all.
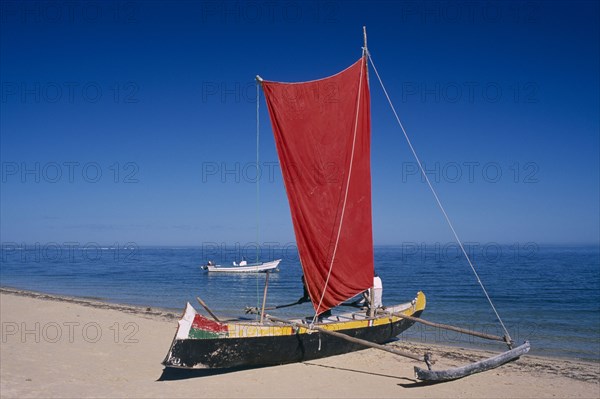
{"x":477,"y":367}
{"x":201,"y":302}
{"x":452,"y":328}
{"x":262,"y":312}
{"x":347,"y":338}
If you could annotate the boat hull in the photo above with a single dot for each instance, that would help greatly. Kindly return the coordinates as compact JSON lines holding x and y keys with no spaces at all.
{"x":270,"y":351}
{"x":280,"y":348}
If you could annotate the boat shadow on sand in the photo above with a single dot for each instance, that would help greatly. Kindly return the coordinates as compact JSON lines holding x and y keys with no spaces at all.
{"x":410,"y":382}
{"x":175,"y":374}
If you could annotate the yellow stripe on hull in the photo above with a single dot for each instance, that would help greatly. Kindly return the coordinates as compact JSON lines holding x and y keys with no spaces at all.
{"x":246,"y":330}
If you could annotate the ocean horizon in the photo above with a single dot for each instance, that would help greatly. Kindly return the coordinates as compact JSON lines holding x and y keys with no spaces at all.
{"x":547,"y":294}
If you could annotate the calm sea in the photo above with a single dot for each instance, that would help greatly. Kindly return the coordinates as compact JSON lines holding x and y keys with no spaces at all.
{"x":549,"y":295}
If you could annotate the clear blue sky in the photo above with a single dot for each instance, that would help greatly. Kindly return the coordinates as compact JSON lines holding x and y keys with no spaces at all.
{"x":120,"y":120}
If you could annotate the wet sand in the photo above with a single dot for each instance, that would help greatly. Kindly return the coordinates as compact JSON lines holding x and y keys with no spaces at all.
{"x":55,"y":346}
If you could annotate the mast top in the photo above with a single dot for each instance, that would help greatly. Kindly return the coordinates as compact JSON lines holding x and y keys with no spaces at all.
{"x":365,"y":38}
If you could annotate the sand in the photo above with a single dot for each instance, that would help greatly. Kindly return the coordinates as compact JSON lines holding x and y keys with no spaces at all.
{"x":71,"y":348}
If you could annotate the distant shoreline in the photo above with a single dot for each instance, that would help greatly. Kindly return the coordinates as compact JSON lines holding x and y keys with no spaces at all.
{"x":98,"y":303}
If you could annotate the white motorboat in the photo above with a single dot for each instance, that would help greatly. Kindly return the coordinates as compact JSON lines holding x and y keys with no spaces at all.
{"x":244,"y":267}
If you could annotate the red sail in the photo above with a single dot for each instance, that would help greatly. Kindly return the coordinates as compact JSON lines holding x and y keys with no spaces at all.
{"x":323,"y":135}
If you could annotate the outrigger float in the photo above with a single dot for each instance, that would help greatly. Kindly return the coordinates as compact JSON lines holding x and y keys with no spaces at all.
{"x":317,"y":124}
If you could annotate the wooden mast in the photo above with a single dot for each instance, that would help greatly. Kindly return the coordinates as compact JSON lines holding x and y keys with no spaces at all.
{"x":264,"y":302}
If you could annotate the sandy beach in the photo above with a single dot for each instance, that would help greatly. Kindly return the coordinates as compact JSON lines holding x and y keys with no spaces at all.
{"x":64,"y":347}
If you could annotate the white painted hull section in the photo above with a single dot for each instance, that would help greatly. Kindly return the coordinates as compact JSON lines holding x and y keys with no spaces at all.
{"x":249,"y":268}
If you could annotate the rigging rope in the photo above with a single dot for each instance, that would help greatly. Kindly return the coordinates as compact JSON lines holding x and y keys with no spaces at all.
{"x":257,"y":170}
{"x":438,"y":200}
{"x":337,"y":240}
{"x":257,"y":188}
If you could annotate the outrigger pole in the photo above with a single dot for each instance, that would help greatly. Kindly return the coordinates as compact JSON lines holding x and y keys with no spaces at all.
{"x":491,"y":337}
